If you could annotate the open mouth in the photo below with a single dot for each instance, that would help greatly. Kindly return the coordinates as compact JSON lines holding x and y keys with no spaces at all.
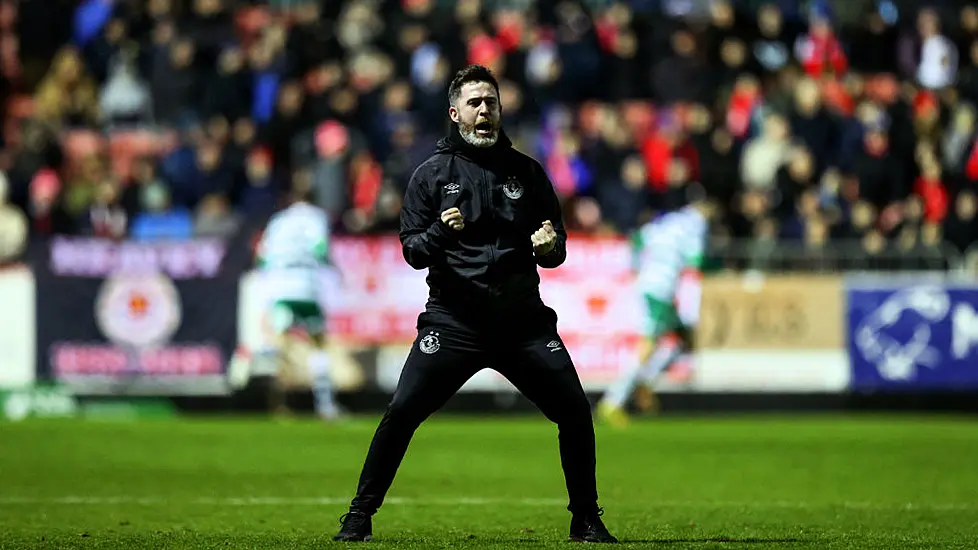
{"x":483,"y":128}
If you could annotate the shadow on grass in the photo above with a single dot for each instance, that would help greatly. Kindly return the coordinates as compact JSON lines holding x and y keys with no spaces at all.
{"x":485,"y":542}
{"x":729,"y":540}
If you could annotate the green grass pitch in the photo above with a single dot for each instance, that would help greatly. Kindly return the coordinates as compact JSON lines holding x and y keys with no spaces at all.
{"x":745,"y":483}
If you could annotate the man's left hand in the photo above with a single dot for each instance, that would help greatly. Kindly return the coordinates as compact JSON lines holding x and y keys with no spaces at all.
{"x":544,"y":239}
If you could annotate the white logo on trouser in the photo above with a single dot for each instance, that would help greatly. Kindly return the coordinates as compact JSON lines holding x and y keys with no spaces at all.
{"x":554,"y":345}
{"x":429,"y":344}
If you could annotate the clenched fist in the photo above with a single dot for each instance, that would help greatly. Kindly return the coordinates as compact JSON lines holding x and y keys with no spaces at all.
{"x":453,"y":218}
{"x":544,"y":239}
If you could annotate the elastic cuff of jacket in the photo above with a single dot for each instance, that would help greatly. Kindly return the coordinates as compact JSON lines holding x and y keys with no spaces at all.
{"x":550,"y":252}
{"x":441,"y":232}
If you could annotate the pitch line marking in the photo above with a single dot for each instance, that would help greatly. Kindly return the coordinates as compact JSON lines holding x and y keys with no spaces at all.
{"x":464,"y":501}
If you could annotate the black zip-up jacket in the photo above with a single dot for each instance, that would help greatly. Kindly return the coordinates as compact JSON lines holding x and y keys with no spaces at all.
{"x":504,"y":197}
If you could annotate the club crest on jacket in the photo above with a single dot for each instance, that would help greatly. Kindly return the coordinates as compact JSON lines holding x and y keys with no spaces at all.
{"x":513,"y":188}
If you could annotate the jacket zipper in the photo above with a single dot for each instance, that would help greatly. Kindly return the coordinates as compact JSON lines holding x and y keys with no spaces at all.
{"x":487,"y":191}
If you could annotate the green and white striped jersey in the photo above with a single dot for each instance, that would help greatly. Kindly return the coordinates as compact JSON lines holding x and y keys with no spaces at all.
{"x":292,"y":250}
{"x":666,"y":246}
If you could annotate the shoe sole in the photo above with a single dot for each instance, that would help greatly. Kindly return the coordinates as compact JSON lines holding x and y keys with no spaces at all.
{"x":585,"y":541}
{"x":367,"y":538}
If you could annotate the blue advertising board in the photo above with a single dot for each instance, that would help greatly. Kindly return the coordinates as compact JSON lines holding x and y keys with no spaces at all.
{"x":911,"y":335}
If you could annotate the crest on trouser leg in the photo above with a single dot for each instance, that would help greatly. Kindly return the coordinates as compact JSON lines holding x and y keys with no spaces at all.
{"x":429,"y":344}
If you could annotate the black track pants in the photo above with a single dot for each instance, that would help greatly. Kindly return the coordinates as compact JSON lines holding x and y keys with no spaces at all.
{"x":441,"y":361}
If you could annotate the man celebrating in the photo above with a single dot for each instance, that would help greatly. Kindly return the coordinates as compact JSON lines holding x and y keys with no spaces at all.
{"x":481,"y":216}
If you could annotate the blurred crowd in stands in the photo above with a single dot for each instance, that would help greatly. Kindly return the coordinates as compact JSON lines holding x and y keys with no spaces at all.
{"x":812,"y":122}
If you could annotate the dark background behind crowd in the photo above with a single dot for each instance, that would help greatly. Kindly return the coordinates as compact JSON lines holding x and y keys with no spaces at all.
{"x":827,"y":124}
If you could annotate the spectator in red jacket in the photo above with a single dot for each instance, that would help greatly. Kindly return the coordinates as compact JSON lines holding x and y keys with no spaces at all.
{"x":819,"y":51}
{"x":668,"y":144}
{"x":932,"y":192}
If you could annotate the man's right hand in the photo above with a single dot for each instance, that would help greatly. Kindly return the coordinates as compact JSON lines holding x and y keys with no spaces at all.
{"x":453,"y":218}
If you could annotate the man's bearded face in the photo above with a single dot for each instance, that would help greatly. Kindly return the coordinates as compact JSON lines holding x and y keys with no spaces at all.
{"x":478,"y":113}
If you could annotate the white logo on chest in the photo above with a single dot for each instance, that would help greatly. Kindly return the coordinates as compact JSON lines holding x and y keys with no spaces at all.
{"x":452,"y":188}
{"x":513,"y":188}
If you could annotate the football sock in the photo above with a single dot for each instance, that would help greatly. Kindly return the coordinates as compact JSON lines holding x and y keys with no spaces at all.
{"x":622,"y":388}
{"x":664,"y":356}
{"x":322,"y":383}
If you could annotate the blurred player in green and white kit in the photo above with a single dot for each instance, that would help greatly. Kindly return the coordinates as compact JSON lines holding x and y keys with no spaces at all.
{"x":663,"y":250}
{"x":293,"y":249}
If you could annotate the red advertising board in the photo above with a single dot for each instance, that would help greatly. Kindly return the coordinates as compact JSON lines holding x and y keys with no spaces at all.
{"x":375,"y":302}
{"x":377,"y":298}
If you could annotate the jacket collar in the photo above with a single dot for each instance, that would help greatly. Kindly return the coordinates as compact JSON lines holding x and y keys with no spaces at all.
{"x":454,"y":143}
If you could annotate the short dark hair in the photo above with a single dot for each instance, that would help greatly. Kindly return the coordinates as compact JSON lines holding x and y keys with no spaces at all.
{"x":302,"y":195}
{"x":472,"y":73}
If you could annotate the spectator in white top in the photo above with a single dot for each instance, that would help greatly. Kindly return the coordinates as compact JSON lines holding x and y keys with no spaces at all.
{"x":765,"y":154}
{"x":125,"y":98}
{"x":938,"y":55}
{"x":13,"y":226}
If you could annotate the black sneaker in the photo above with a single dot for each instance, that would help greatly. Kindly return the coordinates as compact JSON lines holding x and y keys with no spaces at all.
{"x":356,"y":527}
{"x":590,"y":528}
